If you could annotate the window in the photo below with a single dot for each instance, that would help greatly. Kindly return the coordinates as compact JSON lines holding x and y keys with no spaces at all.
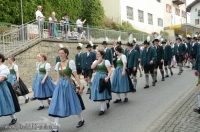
{"x":158,"y":0}
{"x":150,"y":19}
{"x":140,"y":16}
{"x":129,"y":11}
{"x":183,"y":14}
{"x":160,"y":22}
{"x":195,"y":9}
{"x":196,"y":21}
{"x":177,"y":11}
{"x":168,"y":8}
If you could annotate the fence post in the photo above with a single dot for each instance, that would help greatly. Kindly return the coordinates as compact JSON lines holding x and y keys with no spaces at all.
{"x":88,"y":32}
{"x":3,"y":45}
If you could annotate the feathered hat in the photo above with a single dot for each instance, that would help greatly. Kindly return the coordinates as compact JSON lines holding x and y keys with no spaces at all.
{"x":105,"y":41}
{"x":188,"y":36}
{"x":195,"y":37}
{"x":148,"y":40}
{"x":119,"y":40}
{"x":79,"y":46}
{"x":179,"y":38}
{"x":134,"y":40}
{"x":90,"y":45}
{"x":130,"y":40}
{"x":61,"y":46}
{"x":157,"y":39}
{"x":94,"y":46}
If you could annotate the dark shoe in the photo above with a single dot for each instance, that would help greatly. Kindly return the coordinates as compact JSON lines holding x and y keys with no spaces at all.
{"x":101,"y":113}
{"x":134,"y":90}
{"x":146,"y":86}
{"x":155,"y":80}
{"x":179,"y":73}
{"x":125,"y":99}
{"x":140,"y":75}
{"x":54,"y":131}
{"x":80,"y":124}
{"x":153,"y":83}
{"x":108,"y":105}
{"x":117,"y":100}
{"x":33,"y":98}
{"x":197,"y":110}
{"x":26,"y":101}
{"x":167,"y":76}
{"x":88,"y":91}
{"x":171,"y":73}
{"x":41,"y":107}
{"x":13,"y":121}
{"x":163,"y":79}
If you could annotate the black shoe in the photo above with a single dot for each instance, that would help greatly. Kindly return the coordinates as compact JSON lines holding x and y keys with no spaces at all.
{"x":171,"y":73}
{"x":155,"y":80}
{"x":80,"y":124}
{"x":117,"y":100}
{"x":167,"y":76}
{"x":54,"y":131}
{"x":33,"y":98}
{"x":146,"y":86}
{"x":163,"y":79}
{"x":41,"y":107}
{"x":108,"y":105}
{"x":26,"y":101}
{"x":13,"y":121}
{"x":179,"y":73}
{"x":197,"y":110}
{"x":125,"y":99}
{"x":88,"y":91}
{"x":134,"y":90}
{"x":153,"y":83}
{"x":101,"y":113}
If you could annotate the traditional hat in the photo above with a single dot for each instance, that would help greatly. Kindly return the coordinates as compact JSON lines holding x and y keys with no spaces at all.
{"x":195,"y":37}
{"x":188,"y":36}
{"x":94,"y":46}
{"x":79,"y":46}
{"x":164,"y":41}
{"x":147,"y":41}
{"x":157,"y":39}
{"x":119,"y":40}
{"x":179,"y":38}
{"x":90,"y":45}
{"x":105,"y":41}
{"x":130,"y":40}
{"x":134,"y":40}
{"x":61,"y":46}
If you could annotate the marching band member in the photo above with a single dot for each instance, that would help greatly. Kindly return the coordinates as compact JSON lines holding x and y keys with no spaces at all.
{"x":78,"y":59}
{"x":108,"y":52}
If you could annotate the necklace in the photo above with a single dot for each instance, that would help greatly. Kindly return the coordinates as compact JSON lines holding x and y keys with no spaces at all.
{"x":63,"y":60}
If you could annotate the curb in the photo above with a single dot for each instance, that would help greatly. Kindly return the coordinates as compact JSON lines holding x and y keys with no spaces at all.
{"x":169,"y":113}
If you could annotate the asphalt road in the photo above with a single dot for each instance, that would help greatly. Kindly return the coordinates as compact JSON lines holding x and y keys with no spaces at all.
{"x":143,"y":108}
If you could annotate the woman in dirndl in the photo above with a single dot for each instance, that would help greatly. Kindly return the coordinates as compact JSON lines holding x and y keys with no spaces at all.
{"x":44,"y":85}
{"x":53,"y":32}
{"x":103,"y":71}
{"x":120,"y":81}
{"x":65,"y":101}
{"x":36,"y":75}
{"x":14,"y":76}
{"x":8,"y":100}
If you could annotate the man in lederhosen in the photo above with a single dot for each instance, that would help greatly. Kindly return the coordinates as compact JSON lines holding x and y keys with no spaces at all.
{"x":180,"y":51}
{"x":159,"y":59}
{"x":167,"y":57}
{"x":114,"y":54}
{"x":108,"y":52}
{"x":78,"y":59}
{"x":137,"y":47}
{"x":88,"y":58}
{"x":193,"y":51}
{"x":132,"y":63}
{"x":147,"y":61}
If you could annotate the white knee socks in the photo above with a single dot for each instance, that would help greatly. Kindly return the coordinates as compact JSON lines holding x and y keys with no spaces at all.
{"x":118,"y":96}
{"x":41,"y":103}
{"x":125,"y":94}
{"x":13,"y":116}
{"x":25,"y":96}
{"x":102,"y":105}
{"x":80,"y":117}
{"x":56,"y":121}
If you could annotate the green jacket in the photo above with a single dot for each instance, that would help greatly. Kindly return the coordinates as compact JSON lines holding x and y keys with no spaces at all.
{"x":58,"y":59}
{"x":109,"y":55}
{"x":181,"y":49}
{"x":167,"y":52}
{"x":78,"y":60}
{"x":137,"y":47}
{"x":126,"y":52}
{"x":148,"y":56}
{"x":160,"y":53}
{"x":132,"y":59}
{"x":197,"y":65}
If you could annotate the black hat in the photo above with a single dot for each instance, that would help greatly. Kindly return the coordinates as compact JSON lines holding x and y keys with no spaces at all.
{"x":78,"y":47}
{"x":104,"y":42}
{"x":129,"y":44}
{"x":179,"y":39}
{"x":89,"y":46}
{"x":155,"y":40}
{"x":164,"y":42}
{"x":195,"y":38}
{"x":94,"y":46}
{"x":119,"y":42}
{"x":146,"y":42}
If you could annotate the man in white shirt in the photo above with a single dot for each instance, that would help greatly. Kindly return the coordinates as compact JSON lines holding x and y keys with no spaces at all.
{"x":79,"y":25}
{"x":40,"y":19}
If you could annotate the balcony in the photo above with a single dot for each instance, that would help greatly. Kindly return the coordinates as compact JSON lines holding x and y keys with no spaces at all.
{"x":178,"y":2}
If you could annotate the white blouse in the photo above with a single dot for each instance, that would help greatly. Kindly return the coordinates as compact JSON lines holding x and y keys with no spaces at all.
{"x":107,"y":63}
{"x":72,"y":66}
{"x":4,"y":71}
{"x":15,"y":67}
{"x":47,"y":66}
{"x":123,"y":58}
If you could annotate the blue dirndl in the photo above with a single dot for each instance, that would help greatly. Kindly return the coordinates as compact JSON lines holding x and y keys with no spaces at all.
{"x":119,"y":83}
{"x":43,"y":91}
{"x":34,"y":81}
{"x":6,"y":102}
{"x":95,"y":95}
{"x":65,"y":101}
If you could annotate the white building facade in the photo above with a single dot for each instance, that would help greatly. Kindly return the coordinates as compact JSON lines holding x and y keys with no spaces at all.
{"x":194,"y":9}
{"x":145,"y":15}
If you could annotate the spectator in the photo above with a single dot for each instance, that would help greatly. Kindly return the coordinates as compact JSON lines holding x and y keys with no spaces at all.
{"x":79,"y":25}
{"x":53,"y":32}
{"x":75,"y":33}
{"x":69,"y":35}
{"x":65,"y":22}
{"x":40,"y":19}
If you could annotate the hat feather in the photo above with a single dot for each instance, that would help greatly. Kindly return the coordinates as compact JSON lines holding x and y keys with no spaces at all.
{"x":130,"y":39}
{"x":134,"y":39}
{"x":90,"y":42}
{"x":148,"y":38}
{"x":119,"y":38}
{"x":161,"y":39}
{"x":106,"y":40}
{"x":79,"y":44}
{"x":188,"y":36}
{"x":180,"y":36}
{"x":61,"y":46}
{"x":196,"y":35}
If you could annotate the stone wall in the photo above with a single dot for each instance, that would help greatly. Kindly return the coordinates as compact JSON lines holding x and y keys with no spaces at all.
{"x":26,"y":56}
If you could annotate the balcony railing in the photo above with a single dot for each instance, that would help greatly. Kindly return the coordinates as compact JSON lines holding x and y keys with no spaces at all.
{"x":178,"y":2}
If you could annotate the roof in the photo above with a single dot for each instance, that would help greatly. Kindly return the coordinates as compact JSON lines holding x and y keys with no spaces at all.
{"x":189,"y":7}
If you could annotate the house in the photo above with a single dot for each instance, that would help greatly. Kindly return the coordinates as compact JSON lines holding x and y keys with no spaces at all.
{"x":194,"y":9}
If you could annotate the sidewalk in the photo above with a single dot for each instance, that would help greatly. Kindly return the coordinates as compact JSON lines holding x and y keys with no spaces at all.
{"x":181,"y":118}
